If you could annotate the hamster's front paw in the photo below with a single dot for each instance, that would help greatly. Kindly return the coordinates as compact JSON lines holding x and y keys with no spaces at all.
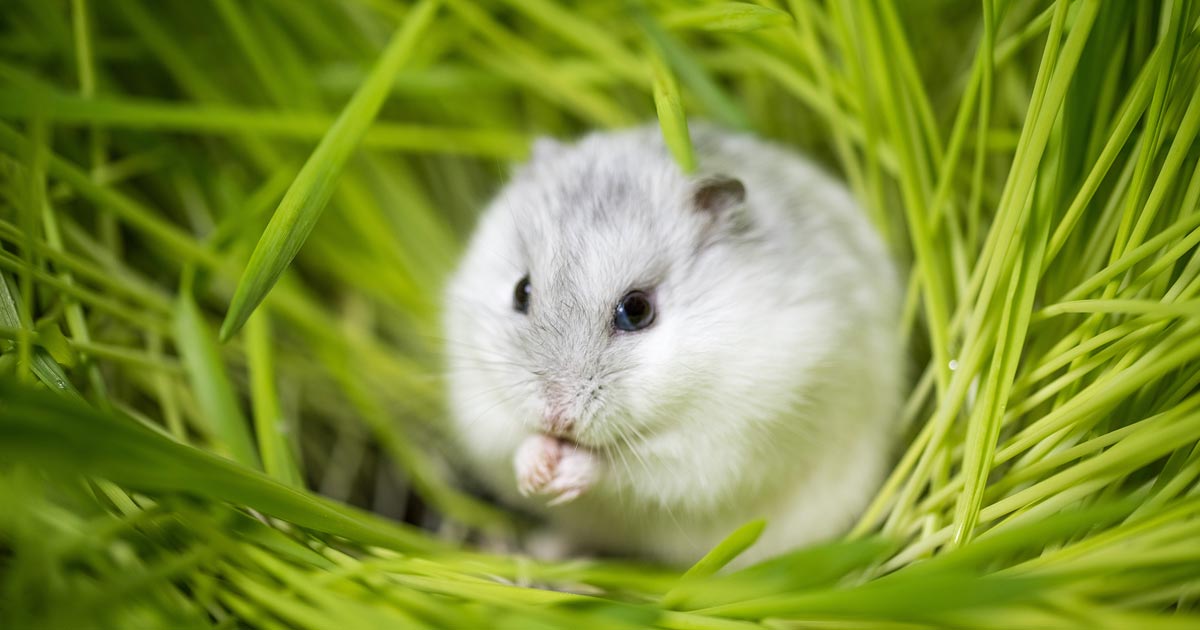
{"x":554,"y":468}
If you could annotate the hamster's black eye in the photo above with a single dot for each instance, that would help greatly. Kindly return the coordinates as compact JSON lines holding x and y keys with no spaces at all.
{"x":521,"y":295}
{"x":635,"y":311}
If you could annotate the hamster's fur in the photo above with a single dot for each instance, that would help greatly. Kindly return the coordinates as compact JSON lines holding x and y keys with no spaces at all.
{"x":767,"y":386}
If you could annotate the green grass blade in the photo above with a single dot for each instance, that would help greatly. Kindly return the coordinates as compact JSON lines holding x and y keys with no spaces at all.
{"x":725,"y":551}
{"x":738,"y":17}
{"x":226,"y":120}
{"x":813,"y":567}
{"x":218,"y":404}
{"x":695,"y":76}
{"x":671,"y":117}
{"x":62,"y":435}
{"x":273,"y":432}
{"x":305,"y":200}
{"x":44,"y":367}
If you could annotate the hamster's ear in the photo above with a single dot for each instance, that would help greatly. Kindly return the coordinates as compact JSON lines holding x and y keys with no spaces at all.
{"x":718,"y":195}
{"x":721,"y":199}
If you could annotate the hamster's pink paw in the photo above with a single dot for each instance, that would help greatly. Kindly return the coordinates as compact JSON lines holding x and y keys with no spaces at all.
{"x":536,"y":459}
{"x":556,"y":469}
{"x":574,"y":475}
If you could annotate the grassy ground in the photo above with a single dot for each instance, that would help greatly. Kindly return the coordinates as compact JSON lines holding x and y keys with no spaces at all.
{"x":224,"y":225}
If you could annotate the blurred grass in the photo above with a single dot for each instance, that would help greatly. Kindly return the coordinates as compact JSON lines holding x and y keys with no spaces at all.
{"x":1035,"y":164}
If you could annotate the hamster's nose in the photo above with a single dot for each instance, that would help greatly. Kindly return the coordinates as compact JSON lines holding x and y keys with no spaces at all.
{"x":557,"y":422}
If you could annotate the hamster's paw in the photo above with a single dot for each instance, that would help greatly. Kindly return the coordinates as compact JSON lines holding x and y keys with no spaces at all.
{"x":536,"y":459}
{"x":574,"y":475}
{"x":553,"y":468}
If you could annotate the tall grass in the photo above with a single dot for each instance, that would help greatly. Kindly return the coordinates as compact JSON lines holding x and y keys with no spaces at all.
{"x":306,"y":172}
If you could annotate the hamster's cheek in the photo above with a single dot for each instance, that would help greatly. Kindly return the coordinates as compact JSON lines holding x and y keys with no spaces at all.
{"x":658,"y":383}
{"x":715,"y":344}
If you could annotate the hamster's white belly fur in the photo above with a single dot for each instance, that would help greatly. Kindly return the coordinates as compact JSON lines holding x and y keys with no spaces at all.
{"x":768,"y":386}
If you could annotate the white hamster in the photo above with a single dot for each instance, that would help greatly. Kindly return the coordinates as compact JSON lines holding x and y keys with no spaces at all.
{"x":650,"y":359}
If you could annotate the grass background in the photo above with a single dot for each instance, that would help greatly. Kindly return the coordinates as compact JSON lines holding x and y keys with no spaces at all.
{"x":296,"y":179}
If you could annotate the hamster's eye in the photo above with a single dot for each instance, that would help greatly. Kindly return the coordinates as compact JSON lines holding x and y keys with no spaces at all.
{"x":521,"y":295}
{"x":635,"y":311}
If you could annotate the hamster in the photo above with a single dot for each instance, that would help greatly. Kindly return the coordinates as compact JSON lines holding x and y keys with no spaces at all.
{"x":650,"y":359}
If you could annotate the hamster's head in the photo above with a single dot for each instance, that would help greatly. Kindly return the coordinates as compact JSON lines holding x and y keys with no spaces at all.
{"x":600,"y":295}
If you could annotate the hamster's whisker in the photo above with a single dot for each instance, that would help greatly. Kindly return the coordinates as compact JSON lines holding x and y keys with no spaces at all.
{"x":474,"y":348}
{"x":670,"y":510}
{"x":503,"y":400}
{"x":477,"y":361}
{"x":631,"y":447}
{"x":624,"y":464}
{"x":513,"y":393}
{"x":483,"y":360}
{"x":513,"y":388}
{"x":465,"y":350}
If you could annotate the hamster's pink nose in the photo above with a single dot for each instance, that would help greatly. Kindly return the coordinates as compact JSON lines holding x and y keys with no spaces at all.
{"x":557,"y":422}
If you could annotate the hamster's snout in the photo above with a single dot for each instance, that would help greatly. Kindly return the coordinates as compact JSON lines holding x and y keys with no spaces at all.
{"x":563,"y":407}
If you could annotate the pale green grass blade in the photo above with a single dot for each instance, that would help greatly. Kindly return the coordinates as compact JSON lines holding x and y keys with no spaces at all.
{"x":814,"y":567}
{"x":671,"y":117}
{"x":305,"y":200}
{"x":228,"y":120}
{"x":984,"y":429}
{"x":273,"y":432}
{"x":218,"y":404}
{"x":719,"y":556}
{"x":1189,"y":308}
{"x":923,"y":598}
{"x":726,"y":16}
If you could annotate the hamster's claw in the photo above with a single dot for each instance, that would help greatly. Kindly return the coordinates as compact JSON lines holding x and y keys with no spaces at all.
{"x":566,"y":497}
{"x":548,"y":466}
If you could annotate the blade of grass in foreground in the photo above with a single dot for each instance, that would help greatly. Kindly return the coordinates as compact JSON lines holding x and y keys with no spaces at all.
{"x":303,"y":203}
{"x":724,"y":553}
{"x":63,"y":435}
{"x":810,"y":568}
{"x":727,"y":550}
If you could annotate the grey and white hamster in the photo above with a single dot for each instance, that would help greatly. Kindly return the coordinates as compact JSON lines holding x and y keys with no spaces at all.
{"x":650,"y":359}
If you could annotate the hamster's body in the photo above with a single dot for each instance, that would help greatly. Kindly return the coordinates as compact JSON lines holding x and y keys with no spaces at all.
{"x":765,"y":385}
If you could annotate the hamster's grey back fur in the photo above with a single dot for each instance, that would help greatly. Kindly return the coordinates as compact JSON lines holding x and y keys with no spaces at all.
{"x":768,"y":384}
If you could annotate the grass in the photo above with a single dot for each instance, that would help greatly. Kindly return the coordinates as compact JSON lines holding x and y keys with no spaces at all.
{"x":307,"y":173}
